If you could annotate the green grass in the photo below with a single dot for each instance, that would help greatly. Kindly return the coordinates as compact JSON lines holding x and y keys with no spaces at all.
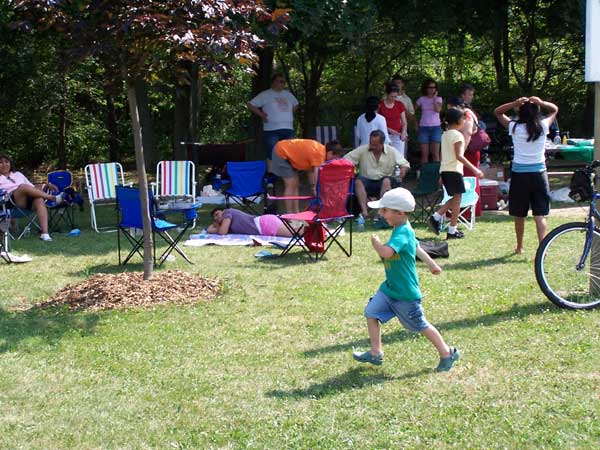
{"x":268,"y":364}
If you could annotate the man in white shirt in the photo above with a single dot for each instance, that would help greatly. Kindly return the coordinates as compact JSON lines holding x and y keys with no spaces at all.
{"x":276,"y":107}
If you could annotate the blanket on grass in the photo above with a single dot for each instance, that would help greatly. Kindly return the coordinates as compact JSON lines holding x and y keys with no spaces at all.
{"x":199,"y":240}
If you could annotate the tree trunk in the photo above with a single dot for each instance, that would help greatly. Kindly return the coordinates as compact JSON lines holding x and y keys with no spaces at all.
{"x":260,"y":82}
{"x":61,"y":150}
{"x":141,"y":92}
{"x":142,"y":179}
{"x":500,"y":52}
{"x":111,"y":127}
{"x":181,"y":126}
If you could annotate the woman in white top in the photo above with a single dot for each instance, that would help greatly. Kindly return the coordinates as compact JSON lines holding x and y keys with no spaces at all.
{"x":370,"y":121}
{"x":529,"y":180}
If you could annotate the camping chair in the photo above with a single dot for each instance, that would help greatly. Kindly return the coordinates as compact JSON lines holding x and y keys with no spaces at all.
{"x":63,"y":213}
{"x":427,"y":193}
{"x":468,"y":201}
{"x":335,"y":185}
{"x":30,"y":218}
{"x":100,"y":182}
{"x":175,"y":184}
{"x":130,"y":220}
{"x":246,"y":186}
{"x":4,"y":226}
{"x":325,"y":134}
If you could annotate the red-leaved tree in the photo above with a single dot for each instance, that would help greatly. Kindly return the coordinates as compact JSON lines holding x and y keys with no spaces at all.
{"x":142,"y":36}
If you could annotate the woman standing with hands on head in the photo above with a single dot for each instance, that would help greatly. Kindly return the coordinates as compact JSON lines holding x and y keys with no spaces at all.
{"x":430,"y":126}
{"x":529,"y":186}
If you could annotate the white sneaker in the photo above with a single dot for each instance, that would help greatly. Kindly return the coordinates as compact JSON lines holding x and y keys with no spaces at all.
{"x":45,"y":237}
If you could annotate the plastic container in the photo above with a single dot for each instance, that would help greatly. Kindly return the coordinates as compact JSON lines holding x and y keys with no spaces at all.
{"x":360,"y":223}
{"x":489,"y":194}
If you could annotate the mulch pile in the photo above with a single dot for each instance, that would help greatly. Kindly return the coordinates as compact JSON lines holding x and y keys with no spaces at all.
{"x":129,"y":290}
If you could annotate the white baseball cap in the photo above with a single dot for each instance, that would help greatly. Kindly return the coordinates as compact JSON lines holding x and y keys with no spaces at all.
{"x":399,"y":199}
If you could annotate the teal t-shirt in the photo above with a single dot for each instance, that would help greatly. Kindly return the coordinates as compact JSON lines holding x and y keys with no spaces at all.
{"x":401,"y":279}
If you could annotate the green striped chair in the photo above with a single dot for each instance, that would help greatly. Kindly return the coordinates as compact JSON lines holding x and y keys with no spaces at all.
{"x":100,"y":182}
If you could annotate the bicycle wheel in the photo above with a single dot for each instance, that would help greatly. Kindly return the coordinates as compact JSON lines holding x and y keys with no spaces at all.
{"x":556,"y":270}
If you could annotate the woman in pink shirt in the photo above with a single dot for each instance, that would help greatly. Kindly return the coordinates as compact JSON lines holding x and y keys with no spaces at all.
{"x":430,"y":126}
{"x":25,"y":195}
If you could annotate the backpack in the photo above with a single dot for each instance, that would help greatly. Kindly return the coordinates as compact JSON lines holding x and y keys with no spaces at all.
{"x":581,"y":186}
{"x":435,"y":249}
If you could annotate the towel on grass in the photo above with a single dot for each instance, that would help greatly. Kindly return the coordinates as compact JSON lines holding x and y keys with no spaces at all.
{"x":199,"y":240}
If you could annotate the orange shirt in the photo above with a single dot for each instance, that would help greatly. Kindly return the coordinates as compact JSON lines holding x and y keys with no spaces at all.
{"x":302,"y":154}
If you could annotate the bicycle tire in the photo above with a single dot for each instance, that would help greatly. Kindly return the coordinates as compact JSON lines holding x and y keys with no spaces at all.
{"x":555,"y":267}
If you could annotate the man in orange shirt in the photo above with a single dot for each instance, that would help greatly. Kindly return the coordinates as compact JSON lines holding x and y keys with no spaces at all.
{"x":292,"y":156}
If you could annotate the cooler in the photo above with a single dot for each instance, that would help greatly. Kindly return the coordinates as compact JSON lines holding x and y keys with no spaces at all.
{"x":489,"y":194}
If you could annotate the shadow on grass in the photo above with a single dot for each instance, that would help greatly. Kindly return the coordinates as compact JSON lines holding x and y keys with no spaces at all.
{"x":486,"y":320}
{"x":47,"y":325}
{"x":486,"y":262}
{"x":356,"y":378}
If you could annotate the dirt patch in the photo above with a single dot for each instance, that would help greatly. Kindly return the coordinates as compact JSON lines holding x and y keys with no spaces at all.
{"x":129,"y":290}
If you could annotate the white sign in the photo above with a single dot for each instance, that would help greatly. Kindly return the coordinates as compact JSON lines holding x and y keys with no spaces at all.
{"x":592,"y":41}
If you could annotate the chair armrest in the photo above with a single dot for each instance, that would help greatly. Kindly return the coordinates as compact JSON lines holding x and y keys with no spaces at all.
{"x":154,"y":186}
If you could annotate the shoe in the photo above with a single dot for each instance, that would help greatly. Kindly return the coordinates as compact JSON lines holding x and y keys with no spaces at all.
{"x":457,"y":235}
{"x":446,"y":363}
{"x":367,"y":357}
{"x":434,"y":224}
{"x":45,"y":237}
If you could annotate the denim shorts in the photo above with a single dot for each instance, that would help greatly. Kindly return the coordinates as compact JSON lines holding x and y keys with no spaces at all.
{"x":384,"y":308}
{"x":430,"y":134}
{"x":273,"y":137}
{"x":373,"y":187}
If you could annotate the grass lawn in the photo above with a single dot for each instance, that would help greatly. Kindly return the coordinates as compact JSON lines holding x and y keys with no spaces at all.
{"x":268,"y":364}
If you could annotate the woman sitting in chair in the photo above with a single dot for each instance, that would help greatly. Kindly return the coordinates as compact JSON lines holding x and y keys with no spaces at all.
{"x":25,"y":195}
{"x":234,"y":221}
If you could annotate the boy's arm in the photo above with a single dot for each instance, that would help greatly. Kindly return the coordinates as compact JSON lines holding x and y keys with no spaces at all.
{"x":382,"y":250}
{"x":424,"y":256}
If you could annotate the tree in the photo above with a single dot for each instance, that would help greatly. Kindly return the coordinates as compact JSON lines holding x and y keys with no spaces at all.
{"x":139,"y":36}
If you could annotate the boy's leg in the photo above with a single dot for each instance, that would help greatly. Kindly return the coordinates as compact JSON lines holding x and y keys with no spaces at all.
{"x":374,"y":328}
{"x":437,"y":340}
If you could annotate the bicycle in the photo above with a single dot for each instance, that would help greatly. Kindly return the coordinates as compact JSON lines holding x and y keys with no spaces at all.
{"x":568,"y":272}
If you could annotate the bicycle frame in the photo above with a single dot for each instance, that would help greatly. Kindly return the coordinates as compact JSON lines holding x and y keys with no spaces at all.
{"x":593,"y":215}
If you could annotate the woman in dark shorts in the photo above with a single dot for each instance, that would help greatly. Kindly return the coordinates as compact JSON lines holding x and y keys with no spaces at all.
{"x":529,"y":180}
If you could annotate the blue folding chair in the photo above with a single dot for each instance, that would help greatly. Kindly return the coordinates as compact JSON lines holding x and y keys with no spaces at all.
{"x":4,"y":226}
{"x":468,"y":201}
{"x":130,"y":220}
{"x":63,"y":213}
{"x":246,"y":186}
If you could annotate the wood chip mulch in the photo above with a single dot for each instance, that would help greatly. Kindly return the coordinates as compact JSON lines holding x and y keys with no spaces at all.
{"x":129,"y":290}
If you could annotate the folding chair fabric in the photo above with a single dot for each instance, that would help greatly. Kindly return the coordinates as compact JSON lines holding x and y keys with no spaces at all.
{"x":427,"y":192}
{"x":335,"y":184}
{"x":325,"y":133}
{"x":130,"y":211}
{"x":468,"y":201}
{"x":4,"y":226}
{"x":100,"y":181}
{"x":176,"y":179}
{"x":63,"y":213}
{"x":247,"y":186}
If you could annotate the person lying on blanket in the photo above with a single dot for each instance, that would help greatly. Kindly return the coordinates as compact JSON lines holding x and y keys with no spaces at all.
{"x":234,"y":221}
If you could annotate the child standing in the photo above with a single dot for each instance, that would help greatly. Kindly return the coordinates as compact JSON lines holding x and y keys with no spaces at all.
{"x":399,"y":295}
{"x":451,"y":167}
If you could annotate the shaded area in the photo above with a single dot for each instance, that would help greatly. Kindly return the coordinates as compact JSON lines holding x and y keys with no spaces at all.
{"x":486,"y":320}
{"x":48,"y":325}
{"x":356,"y":378}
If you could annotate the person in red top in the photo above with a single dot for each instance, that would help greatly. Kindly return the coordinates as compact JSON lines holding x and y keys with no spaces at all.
{"x":395,"y":118}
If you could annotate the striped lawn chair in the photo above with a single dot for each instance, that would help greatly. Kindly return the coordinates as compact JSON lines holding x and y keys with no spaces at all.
{"x":325,"y":134}
{"x":175,"y":184}
{"x":100,"y":182}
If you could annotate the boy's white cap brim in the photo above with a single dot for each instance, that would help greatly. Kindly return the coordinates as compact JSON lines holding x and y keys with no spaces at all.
{"x":399,"y":199}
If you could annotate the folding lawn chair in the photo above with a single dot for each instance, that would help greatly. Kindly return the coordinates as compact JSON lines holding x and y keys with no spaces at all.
{"x":4,"y":226}
{"x":427,"y":193}
{"x":100,"y":182}
{"x":329,"y":208}
{"x":61,"y":214}
{"x":468,"y":201}
{"x":130,"y":220}
{"x":175,"y":184}
{"x":325,"y":134}
{"x":246,"y":186}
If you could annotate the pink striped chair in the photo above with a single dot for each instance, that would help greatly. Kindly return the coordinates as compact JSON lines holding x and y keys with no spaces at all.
{"x":100,"y":182}
{"x":175,"y":184}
